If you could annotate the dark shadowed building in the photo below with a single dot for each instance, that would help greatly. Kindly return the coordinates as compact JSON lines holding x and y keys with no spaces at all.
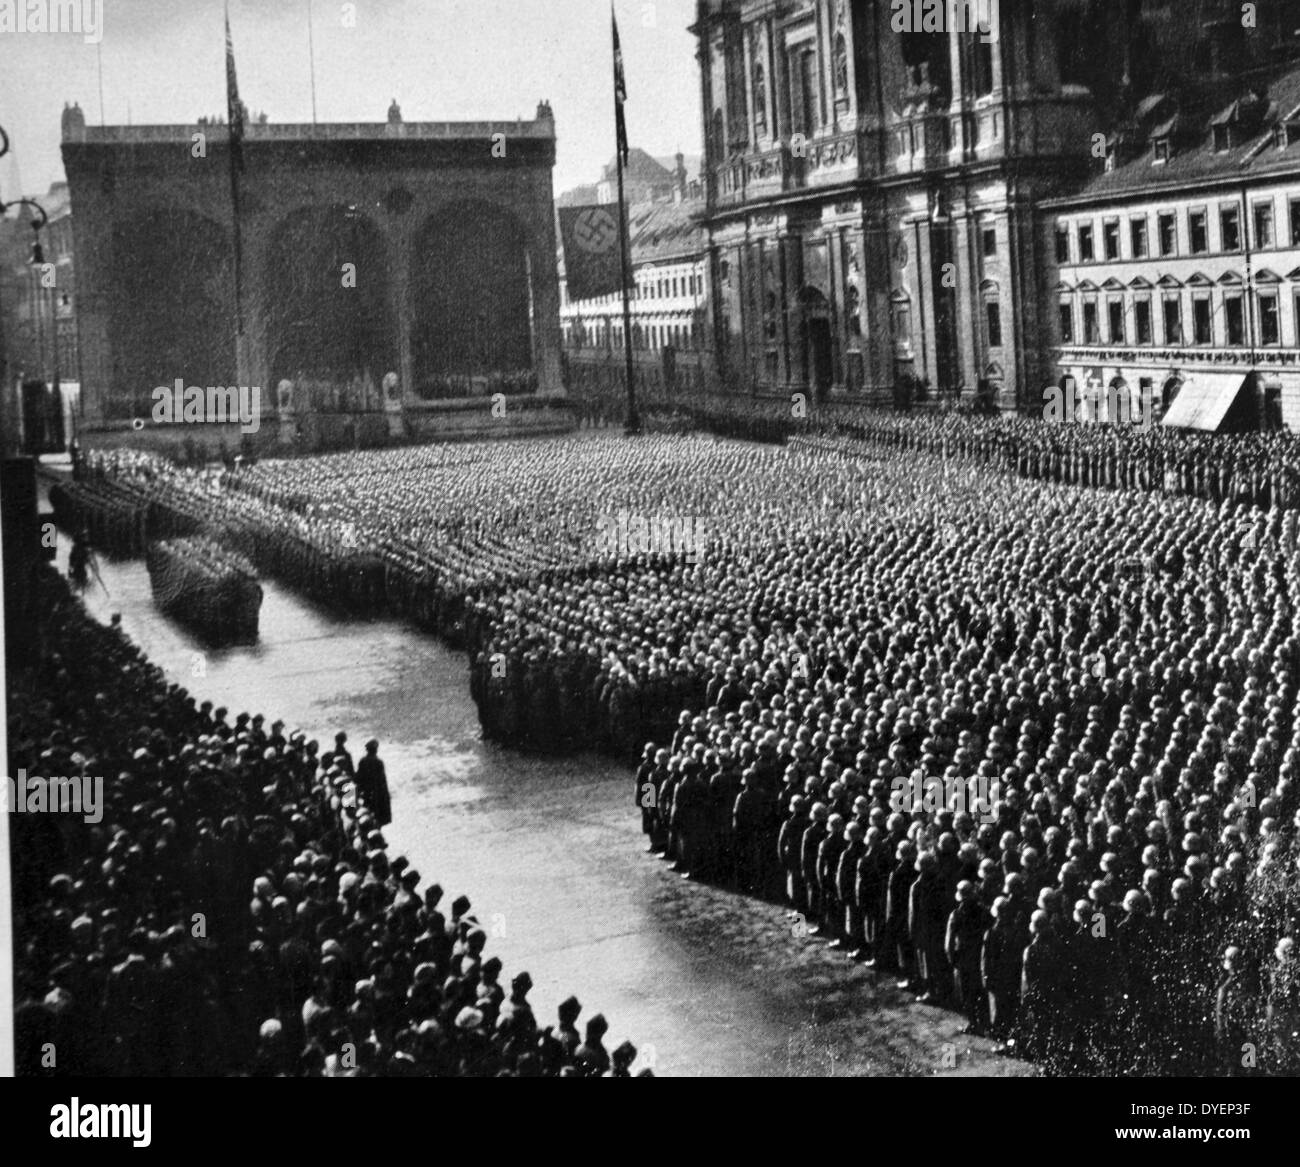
{"x":418,"y":252}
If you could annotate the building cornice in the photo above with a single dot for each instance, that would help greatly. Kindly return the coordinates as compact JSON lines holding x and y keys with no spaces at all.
{"x":256,"y":133}
{"x":968,"y":173}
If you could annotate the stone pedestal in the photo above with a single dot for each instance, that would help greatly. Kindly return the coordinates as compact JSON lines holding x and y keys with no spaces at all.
{"x":286,"y":413}
{"x":393,"y":405}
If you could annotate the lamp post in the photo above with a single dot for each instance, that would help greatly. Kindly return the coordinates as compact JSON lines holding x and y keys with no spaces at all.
{"x":36,"y":259}
{"x":37,"y":256}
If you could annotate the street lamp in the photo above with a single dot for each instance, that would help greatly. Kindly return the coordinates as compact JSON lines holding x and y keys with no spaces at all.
{"x":38,"y":254}
{"x":36,"y":259}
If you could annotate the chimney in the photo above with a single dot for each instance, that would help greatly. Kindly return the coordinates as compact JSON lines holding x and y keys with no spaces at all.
{"x":74,"y":123}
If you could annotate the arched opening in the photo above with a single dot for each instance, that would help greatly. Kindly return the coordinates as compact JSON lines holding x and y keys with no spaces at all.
{"x":818,"y":346}
{"x":1119,"y":403}
{"x":329,"y":328}
{"x":173,"y":310}
{"x":1271,"y":417}
{"x":925,"y":54}
{"x":472,"y":299}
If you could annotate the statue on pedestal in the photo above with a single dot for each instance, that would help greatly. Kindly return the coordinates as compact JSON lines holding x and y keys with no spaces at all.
{"x":393,"y":404}
{"x":285,"y":408}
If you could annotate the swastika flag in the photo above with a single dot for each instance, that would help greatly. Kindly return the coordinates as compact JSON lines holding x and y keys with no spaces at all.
{"x":620,"y":92}
{"x":592,"y":250}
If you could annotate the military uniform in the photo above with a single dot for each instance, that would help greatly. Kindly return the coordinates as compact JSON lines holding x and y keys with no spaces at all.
{"x":789,"y":850}
{"x":809,"y":849}
{"x":829,"y":852}
{"x":372,"y":788}
{"x":1235,"y":1022}
{"x":897,"y":951}
{"x":1000,"y":966}
{"x":846,"y":887}
{"x":964,"y":945}
{"x":690,"y":806}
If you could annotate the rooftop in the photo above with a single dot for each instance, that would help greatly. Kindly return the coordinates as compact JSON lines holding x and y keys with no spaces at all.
{"x":660,"y":230}
{"x":541,"y":128}
{"x":1193,"y":159}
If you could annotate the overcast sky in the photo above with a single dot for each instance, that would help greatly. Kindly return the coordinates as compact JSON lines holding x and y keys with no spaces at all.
{"x":444,"y":60}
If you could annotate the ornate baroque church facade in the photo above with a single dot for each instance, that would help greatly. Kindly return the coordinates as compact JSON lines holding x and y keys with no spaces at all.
{"x":875,"y":171}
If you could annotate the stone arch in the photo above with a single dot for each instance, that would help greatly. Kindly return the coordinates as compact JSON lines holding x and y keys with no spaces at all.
{"x":470,"y":288}
{"x":817,"y":340}
{"x":1119,"y":403}
{"x":813,"y":301}
{"x":925,"y":56}
{"x":329,"y":327}
{"x":173,"y":312}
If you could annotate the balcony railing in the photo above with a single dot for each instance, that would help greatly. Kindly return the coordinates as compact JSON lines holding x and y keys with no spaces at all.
{"x":1243,"y":357}
{"x":816,"y":161}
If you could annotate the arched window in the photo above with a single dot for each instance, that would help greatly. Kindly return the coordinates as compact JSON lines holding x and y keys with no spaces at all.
{"x":760,"y":98}
{"x":1118,"y":406}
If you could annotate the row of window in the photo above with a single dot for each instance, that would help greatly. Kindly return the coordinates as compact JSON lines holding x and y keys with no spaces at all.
{"x":1228,"y":327}
{"x":654,"y":336}
{"x":670,"y":287}
{"x":747,"y":89}
{"x":661,"y":289}
{"x":1083,"y":247}
{"x":804,"y":92}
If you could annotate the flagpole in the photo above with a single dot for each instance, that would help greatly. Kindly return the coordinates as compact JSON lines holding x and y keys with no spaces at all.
{"x":633,"y":425}
{"x":99,"y":58}
{"x":311,"y":53}
{"x":633,"y":420}
{"x":234,"y":129}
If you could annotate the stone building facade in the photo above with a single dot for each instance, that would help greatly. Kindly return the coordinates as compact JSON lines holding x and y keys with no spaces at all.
{"x":878,"y":175}
{"x":872,"y":194}
{"x":1176,"y":268}
{"x":419,"y":257}
{"x":670,"y":297}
